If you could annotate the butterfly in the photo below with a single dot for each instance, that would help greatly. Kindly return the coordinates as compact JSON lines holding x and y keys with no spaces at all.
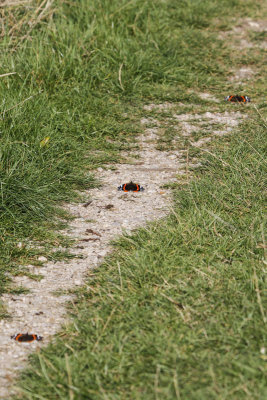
{"x":131,"y":187}
{"x":237,"y":99}
{"x":26,"y":337}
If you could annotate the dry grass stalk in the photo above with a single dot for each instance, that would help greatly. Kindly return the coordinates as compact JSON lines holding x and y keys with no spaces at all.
{"x":19,"y":18}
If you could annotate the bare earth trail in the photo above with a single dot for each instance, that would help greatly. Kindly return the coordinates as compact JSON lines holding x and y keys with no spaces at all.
{"x":110,"y":213}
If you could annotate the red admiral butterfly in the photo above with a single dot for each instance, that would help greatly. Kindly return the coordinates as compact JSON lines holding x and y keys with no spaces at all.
{"x":238,"y":99}
{"x":133,"y":187}
{"x":26,"y":337}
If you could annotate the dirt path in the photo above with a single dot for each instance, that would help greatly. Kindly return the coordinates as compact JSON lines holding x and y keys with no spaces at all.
{"x":110,"y":213}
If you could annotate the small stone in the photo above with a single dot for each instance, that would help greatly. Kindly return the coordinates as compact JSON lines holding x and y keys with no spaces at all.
{"x":102,"y":253}
{"x":109,"y":206}
{"x":19,"y":245}
{"x":77,"y":282}
{"x":263,"y":351}
{"x":42,"y":259}
{"x":19,"y":313}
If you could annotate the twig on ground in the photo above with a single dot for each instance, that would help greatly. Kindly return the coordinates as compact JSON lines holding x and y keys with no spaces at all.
{"x":7,"y":74}
{"x":120,"y":77}
{"x":173,"y":301}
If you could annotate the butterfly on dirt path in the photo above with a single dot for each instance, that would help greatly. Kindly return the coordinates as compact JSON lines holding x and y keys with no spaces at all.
{"x":131,"y":187}
{"x":26,"y":337}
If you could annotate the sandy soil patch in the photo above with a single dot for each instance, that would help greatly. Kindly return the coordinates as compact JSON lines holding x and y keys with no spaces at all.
{"x":240,"y":34}
{"x":241,"y":75}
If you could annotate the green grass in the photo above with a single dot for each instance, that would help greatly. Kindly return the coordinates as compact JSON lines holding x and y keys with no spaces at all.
{"x":178,"y":311}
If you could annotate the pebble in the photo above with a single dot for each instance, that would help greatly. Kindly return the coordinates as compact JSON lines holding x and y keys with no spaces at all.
{"x":42,"y":259}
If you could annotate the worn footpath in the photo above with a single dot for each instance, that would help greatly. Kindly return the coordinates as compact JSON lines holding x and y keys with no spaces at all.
{"x":112,"y":212}
{"x":108,"y":214}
